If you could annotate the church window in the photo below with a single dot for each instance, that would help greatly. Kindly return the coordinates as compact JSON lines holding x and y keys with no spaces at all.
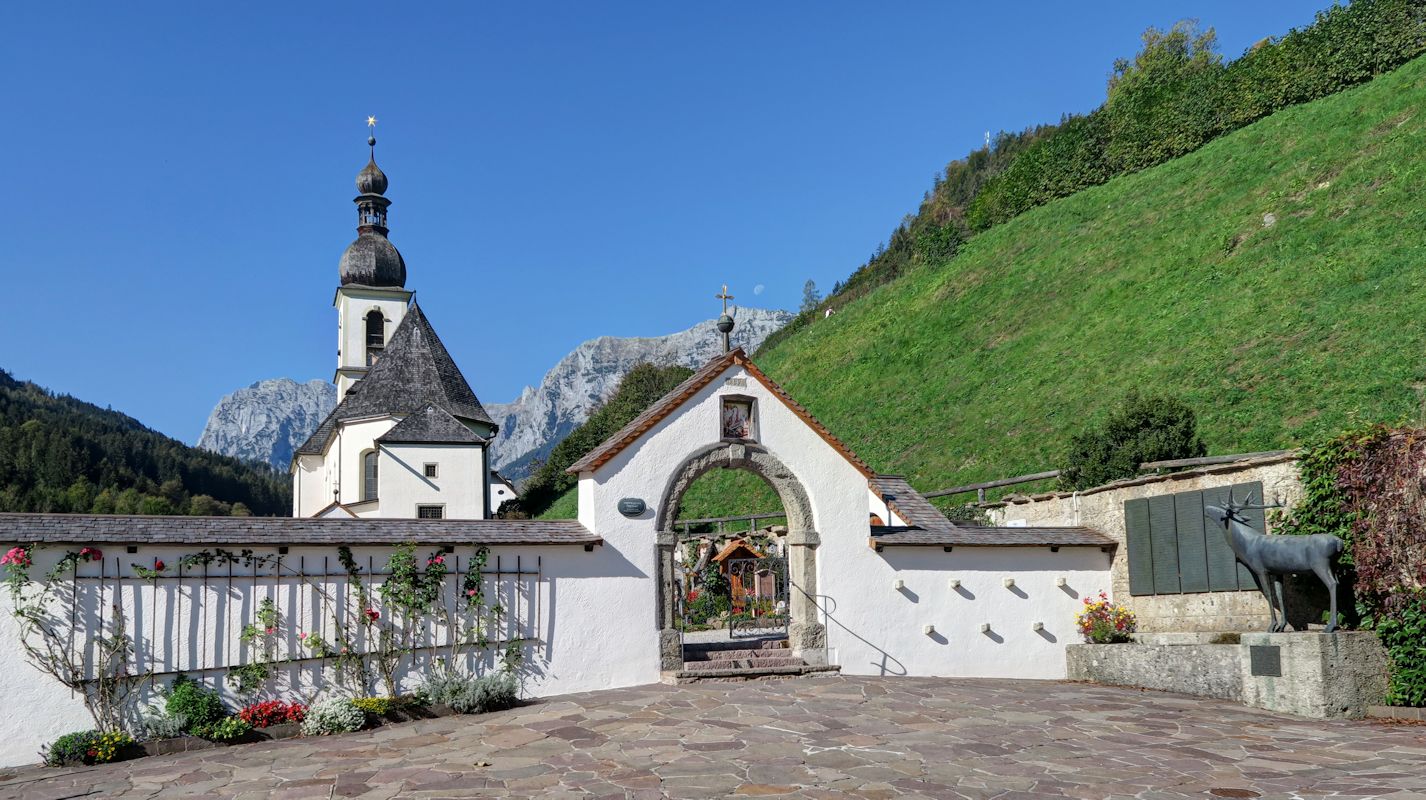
{"x":431,"y":470}
{"x":375,"y":335}
{"x":368,"y":475}
{"x":430,"y":512}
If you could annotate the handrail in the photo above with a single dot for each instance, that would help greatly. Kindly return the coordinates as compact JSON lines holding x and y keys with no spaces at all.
{"x":1147,"y":466}
{"x":981,"y":487}
{"x":721,"y":521}
{"x":1207,"y":461}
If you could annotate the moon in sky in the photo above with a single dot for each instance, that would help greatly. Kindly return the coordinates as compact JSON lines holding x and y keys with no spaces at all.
{"x":758,"y":289}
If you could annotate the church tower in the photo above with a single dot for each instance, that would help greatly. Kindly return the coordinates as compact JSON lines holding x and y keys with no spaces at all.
{"x":372,"y":298}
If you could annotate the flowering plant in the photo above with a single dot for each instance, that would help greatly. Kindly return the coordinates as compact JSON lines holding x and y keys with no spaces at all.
{"x":1103,"y":621}
{"x":18,"y":556}
{"x":90,"y":553}
{"x":272,"y":712}
{"x":371,"y":615}
{"x":150,"y":573}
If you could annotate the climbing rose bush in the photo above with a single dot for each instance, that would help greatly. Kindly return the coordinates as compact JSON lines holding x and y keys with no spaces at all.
{"x":1103,"y":621}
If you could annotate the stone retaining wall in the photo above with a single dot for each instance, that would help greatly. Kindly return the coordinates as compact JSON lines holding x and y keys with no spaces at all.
{"x":1102,"y":508}
{"x":1312,"y":674}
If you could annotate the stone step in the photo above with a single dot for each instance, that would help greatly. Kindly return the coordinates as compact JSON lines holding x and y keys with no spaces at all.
{"x":686,"y":676}
{"x":741,"y":663}
{"x":733,"y":655}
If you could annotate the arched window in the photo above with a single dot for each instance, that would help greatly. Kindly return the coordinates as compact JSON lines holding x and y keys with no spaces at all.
{"x":375,"y":335}
{"x":368,"y":475}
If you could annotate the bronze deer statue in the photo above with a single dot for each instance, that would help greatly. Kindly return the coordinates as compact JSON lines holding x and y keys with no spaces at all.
{"x":1271,"y":557}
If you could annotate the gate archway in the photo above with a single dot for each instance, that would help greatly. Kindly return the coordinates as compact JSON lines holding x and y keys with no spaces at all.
{"x":807,"y":637}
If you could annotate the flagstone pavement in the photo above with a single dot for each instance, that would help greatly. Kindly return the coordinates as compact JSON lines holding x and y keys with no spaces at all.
{"x":806,"y":737}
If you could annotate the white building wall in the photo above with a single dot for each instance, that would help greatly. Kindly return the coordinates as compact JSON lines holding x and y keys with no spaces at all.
{"x":877,"y":629}
{"x":193,"y":626}
{"x":459,"y":485}
{"x":499,"y":493}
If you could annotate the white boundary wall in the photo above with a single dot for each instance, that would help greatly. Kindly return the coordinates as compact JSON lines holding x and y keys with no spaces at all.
{"x":562,"y":614}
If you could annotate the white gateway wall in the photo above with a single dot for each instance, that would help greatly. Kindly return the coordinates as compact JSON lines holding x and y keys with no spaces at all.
{"x":872,"y":629}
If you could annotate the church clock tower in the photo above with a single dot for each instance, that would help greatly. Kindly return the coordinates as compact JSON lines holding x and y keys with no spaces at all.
{"x":372,"y":298}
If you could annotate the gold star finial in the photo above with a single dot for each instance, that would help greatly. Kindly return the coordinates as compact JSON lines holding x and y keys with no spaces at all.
{"x":371,"y":122}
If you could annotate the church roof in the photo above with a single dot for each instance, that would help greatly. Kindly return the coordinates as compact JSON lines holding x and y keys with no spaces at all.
{"x":430,"y":425}
{"x":414,"y":371}
{"x":670,"y":402}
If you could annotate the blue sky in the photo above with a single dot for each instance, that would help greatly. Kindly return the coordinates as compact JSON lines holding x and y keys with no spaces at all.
{"x":179,"y":177}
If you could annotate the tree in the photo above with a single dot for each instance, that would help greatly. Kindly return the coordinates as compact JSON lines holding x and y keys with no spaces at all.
{"x":1142,"y":428}
{"x":811,"y":298}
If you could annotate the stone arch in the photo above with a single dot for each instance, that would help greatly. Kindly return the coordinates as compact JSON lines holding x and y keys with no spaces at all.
{"x":752,"y":458}
{"x":806,"y":636}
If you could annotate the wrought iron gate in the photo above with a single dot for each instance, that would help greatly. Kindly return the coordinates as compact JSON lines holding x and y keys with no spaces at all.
{"x":757,"y":589}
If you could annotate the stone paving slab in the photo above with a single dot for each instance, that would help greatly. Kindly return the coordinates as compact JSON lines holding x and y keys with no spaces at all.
{"x":830,"y":737}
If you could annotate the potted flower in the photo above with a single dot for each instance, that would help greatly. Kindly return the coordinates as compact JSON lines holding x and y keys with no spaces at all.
{"x":1102,"y":621}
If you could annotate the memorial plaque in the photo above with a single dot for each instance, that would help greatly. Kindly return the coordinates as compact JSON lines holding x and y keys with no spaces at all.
{"x":631,"y":506}
{"x":1265,"y":660}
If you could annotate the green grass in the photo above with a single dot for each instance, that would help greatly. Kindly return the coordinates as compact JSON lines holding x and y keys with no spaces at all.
{"x":1166,"y":280}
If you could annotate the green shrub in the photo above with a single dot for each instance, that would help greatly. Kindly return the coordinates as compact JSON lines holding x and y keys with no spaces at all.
{"x":468,"y":694}
{"x":333,"y":715}
{"x":224,"y":730}
{"x":195,"y":703}
{"x":377,"y":706}
{"x":1363,"y":486}
{"x":86,"y":747}
{"x":1143,"y":428}
{"x":158,"y":723}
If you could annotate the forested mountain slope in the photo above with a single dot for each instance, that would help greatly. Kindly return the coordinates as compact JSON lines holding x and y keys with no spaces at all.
{"x":58,"y":453}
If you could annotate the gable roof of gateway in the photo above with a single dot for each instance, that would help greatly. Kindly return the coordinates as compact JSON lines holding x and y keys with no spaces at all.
{"x":414,"y":370}
{"x":670,"y":402}
{"x":430,"y":425}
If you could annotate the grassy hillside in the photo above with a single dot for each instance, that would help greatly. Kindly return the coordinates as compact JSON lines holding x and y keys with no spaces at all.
{"x":1275,"y":279}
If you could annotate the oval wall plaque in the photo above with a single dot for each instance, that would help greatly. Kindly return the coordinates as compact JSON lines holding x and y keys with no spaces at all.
{"x":631,"y":506}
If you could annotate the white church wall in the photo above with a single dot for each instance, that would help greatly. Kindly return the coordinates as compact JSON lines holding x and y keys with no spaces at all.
{"x":353,"y":439}
{"x":878,"y":629}
{"x":311,"y":486}
{"x":459,"y":485}
{"x":561,"y":611}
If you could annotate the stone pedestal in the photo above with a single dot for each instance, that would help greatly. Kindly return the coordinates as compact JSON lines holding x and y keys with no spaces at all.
{"x":1314,"y":674}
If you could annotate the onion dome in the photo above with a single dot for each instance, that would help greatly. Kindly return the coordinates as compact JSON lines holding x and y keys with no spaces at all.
{"x":371,"y":180}
{"x":372,"y":260}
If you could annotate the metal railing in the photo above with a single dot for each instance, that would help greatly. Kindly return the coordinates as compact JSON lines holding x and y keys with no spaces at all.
{"x":722,"y":522}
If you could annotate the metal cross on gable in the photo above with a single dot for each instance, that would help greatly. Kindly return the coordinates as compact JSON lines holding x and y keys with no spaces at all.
{"x":725,"y":297}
